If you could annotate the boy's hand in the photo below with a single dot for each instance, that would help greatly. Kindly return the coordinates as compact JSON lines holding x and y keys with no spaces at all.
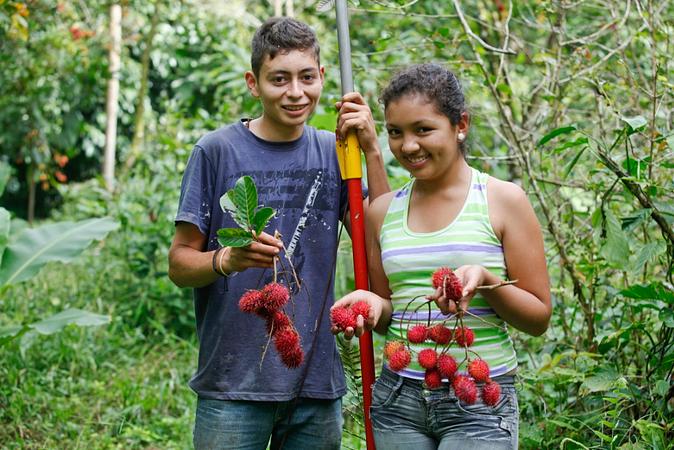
{"x":355,"y":114}
{"x":259,"y":253}
{"x":362,"y":323}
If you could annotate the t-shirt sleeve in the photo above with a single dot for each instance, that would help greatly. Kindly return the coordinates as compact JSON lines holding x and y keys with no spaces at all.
{"x":196,"y":192}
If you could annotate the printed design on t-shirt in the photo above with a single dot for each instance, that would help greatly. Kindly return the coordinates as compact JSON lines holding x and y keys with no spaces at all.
{"x":303,"y":199}
{"x":313,"y":193}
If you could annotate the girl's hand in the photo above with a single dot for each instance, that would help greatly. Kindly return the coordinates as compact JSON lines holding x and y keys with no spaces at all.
{"x":362,"y":323}
{"x":471,"y":277}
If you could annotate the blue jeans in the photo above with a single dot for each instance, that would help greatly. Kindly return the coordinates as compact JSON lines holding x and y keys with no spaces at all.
{"x":238,"y":424}
{"x":405,"y":415}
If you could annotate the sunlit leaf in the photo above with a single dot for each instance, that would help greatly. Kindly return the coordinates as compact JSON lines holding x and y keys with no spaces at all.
{"x":61,"y":241}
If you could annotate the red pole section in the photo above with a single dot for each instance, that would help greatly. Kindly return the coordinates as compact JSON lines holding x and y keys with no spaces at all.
{"x":360,"y":273}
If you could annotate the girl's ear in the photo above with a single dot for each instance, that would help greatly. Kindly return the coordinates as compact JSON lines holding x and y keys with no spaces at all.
{"x":251,"y":82}
{"x":464,"y":123}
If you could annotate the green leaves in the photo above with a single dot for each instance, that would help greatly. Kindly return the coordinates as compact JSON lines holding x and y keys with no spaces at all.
{"x":54,"y":324}
{"x":241,"y":204}
{"x":61,"y":241}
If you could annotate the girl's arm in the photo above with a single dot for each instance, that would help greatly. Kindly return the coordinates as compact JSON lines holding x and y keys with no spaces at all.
{"x":525,"y":305}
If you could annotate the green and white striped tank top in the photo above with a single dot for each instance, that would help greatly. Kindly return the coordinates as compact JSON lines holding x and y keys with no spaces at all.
{"x":410,"y":258}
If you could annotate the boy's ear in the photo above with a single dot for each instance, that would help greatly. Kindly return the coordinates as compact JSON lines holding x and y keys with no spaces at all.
{"x":251,"y":82}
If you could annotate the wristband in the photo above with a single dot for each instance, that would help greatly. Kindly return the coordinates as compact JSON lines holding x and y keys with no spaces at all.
{"x":215,"y":257}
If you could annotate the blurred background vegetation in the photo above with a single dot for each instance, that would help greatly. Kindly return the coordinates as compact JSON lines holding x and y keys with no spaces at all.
{"x":570,"y":99}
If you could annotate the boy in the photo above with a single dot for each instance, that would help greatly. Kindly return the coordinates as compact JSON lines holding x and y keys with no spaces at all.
{"x":243,"y":404}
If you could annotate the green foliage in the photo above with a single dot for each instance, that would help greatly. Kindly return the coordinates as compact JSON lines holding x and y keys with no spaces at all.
{"x":578,"y":115}
{"x":241,"y":203}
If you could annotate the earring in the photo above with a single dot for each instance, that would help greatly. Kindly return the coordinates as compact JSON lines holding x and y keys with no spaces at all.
{"x":461,"y":137}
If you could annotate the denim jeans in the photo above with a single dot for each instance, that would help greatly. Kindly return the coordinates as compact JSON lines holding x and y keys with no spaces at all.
{"x":225,"y":424}
{"x":406,"y":415}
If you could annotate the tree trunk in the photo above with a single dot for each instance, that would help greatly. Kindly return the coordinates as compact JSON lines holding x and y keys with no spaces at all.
{"x":112,"y":97}
{"x":30,"y":179}
{"x":290,"y":11}
{"x":139,"y":120}
{"x":278,"y":8}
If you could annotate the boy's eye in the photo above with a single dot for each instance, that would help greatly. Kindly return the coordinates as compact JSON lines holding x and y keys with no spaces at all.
{"x":279,"y":79}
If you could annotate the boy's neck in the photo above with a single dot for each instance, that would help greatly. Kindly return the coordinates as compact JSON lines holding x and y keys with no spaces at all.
{"x":265,"y":129}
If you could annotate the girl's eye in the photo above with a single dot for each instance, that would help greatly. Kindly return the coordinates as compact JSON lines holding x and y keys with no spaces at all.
{"x":392,"y":132}
{"x":423,"y":129}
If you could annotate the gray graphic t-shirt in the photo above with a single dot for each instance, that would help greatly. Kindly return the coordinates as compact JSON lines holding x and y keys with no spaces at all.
{"x":301,"y":181}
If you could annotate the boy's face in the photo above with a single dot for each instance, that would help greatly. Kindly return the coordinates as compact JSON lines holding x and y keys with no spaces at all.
{"x":289,"y":86}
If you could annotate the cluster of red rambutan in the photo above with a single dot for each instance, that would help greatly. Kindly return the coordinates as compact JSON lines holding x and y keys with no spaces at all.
{"x":344,"y":317}
{"x":440,"y":365}
{"x":268,"y":303}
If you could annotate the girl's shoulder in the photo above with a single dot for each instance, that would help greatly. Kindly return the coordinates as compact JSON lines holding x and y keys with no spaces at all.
{"x":380,"y":205}
{"x":508,"y":205}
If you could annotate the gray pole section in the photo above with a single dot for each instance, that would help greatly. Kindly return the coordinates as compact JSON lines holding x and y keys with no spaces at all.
{"x":344,"y":47}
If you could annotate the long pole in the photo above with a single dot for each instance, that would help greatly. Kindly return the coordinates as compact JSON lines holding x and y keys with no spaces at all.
{"x":349,"y":156}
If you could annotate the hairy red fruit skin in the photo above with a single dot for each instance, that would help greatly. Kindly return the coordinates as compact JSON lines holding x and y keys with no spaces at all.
{"x":479,"y":370}
{"x":452,"y":284}
{"x":428,"y":358}
{"x":275,"y":296}
{"x":287,"y":342}
{"x":361,"y":308}
{"x":465,"y":389}
{"x":293,"y":358}
{"x":440,"y":334}
{"x":343,"y":318}
{"x":391,"y":347}
{"x":464,"y":336}
{"x":276,"y":321}
{"x":251,"y":301}
{"x":399,"y":360}
{"x":447,"y":366}
{"x":432,"y":379}
{"x":417,"y":334}
{"x":491,"y":393}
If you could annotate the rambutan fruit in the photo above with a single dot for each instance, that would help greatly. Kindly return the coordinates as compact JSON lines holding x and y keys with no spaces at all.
{"x":361,"y":308}
{"x":292,"y":358}
{"x":447,"y":366}
{"x":440,"y":334}
{"x":399,"y":360}
{"x":432,"y":379}
{"x":428,"y":358}
{"x":391,"y":347}
{"x":491,"y":393}
{"x":417,"y":334}
{"x":250,"y":301}
{"x":446,"y":277}
{"x":465,"y":389}
{"x":479,"y":370}
{"x":286,"y":339}
{"x":464,"y":336}
{"x":342,"y":317}
{"x":275,"y":296}
{"x":276,"y":321}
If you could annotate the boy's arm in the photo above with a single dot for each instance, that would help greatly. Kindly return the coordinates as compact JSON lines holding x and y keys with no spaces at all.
{"x":191,"y":266}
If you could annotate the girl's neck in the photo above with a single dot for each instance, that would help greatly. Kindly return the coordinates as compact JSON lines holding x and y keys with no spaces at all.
{"x":457,"y":176}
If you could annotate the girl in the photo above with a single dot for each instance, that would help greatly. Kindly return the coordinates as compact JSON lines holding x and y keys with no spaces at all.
{"x":452,"y":215}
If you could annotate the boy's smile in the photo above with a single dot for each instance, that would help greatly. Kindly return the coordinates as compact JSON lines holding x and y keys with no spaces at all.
{"x":289,"y":86}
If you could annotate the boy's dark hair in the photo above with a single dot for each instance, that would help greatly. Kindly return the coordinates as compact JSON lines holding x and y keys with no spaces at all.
{"x":281,"y":34}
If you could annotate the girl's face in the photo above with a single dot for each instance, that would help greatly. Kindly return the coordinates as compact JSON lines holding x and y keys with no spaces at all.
{"x":421,"y":138}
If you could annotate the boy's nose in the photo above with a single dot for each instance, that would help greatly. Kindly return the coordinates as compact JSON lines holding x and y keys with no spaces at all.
{"x":294,"y":89}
